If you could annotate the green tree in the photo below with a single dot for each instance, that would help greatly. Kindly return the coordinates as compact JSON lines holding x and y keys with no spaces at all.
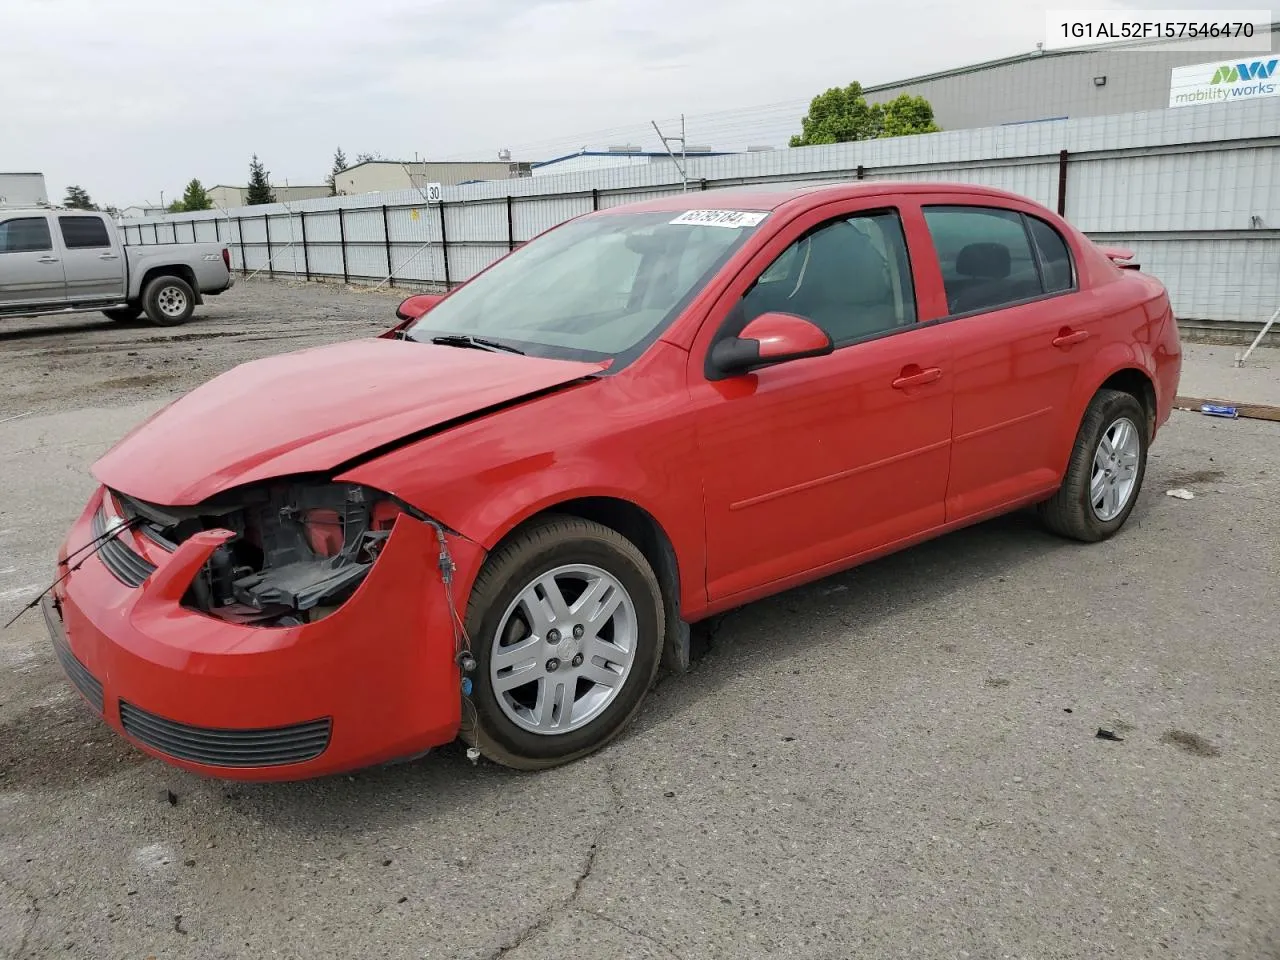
{"x":175,"y":207}
{"x":194,"y":197}
{"x":905,"y":115}
{"x":339,"y":164}
{"x":77,"y":198}
{"x":842,"y":115}
{"x":259,"y":184}
{"x":366,"y":157}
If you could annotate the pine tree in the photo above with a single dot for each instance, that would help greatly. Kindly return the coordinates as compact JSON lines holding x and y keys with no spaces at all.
{"x":194,"y":197}
{"x":339,"y":164}
{"x":259,"y":184}
{"x":77,"y":198}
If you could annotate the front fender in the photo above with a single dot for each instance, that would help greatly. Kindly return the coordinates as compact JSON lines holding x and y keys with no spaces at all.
{"x":484,"y":478}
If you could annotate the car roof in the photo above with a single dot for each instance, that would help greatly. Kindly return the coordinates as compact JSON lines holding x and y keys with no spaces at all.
{"x":772,"y":198}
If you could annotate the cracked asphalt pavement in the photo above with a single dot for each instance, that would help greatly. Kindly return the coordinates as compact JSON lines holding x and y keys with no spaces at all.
{"x":900,"y":761}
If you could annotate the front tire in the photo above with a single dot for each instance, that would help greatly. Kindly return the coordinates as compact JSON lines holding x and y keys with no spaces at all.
{"x":1105,"y":473}
{"x":168,"y":301}
{"x":567,"y":627}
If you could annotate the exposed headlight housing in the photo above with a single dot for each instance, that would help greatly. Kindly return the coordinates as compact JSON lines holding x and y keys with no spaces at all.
{"x":300,"y":547}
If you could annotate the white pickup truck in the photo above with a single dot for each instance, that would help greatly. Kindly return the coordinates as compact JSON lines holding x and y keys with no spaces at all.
{"x":73,"y":261}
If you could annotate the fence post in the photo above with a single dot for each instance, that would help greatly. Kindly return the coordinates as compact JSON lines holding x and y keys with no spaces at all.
{"x":217,"y":231}
{"x":306,"y":260}
{"x":155,"y":232}
{"x":858,"y":174}
{"x":266,"y":225}
{"x":444,"y":247}
{"x":511,"y":226}
{"x":595,"y":198}
{"x":342,"y":239}
{"x":1062,"y":183}
{"x":704,"y":183}
{"x":386,"y":236}
{"x":244,"y":264}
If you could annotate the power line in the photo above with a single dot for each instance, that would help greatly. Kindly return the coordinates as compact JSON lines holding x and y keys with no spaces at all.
{"x":771,"y":123}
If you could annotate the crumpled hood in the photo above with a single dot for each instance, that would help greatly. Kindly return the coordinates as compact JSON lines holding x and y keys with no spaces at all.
{"x":313,"y":410}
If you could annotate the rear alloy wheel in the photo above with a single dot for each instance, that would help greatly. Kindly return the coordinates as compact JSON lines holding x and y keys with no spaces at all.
{"x":169,"y":301}
{"x":567,"y":626}
{"x":1105,"y":472}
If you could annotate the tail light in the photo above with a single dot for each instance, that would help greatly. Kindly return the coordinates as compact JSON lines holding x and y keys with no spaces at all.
{"x":226,"y":258}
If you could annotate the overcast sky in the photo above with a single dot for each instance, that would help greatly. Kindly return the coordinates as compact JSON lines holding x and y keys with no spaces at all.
{"x":131,"y":97}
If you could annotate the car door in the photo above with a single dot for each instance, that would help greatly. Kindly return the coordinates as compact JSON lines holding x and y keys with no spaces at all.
{"x":1022,"y":330}
{"x":30,"y":268}
{"x":92,"y":259}
{"x":811,"y":463}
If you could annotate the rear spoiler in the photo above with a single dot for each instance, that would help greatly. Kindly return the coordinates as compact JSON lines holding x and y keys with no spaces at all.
{"x":1119,"y":256}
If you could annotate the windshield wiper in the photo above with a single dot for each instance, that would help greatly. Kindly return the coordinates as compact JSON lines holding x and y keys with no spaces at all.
{"x":479,"y":343}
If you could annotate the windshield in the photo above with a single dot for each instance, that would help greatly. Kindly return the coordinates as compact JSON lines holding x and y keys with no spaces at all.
{"x":596,"y":288}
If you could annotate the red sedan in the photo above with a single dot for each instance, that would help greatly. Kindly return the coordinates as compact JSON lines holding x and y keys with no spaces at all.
{"x":497,"y":520}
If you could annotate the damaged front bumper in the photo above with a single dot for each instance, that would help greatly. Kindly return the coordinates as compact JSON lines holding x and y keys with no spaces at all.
{"x":373,"y":680}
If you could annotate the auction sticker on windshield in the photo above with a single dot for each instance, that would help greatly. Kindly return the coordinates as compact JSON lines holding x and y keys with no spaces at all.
{"x":721,"y":218}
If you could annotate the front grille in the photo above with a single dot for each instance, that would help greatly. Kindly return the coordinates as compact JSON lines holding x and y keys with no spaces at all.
{"x":227,"y":748}
{"x":78,"y":673}
{"x":118,"y":557}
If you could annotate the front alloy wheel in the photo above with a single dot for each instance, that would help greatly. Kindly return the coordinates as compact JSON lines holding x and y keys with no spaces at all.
{"x":567,"y":624}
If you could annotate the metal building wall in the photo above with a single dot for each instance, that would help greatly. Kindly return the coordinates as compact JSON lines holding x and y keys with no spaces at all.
{"x":1195,"y":192}
{"x":1051,"y":85}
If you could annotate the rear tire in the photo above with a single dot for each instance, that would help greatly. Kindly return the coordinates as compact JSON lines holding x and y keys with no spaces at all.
{"x":169,"y":301}
{"x":1105,"y":473}
{"x":591,"y":672}
{"x":123,"y":314}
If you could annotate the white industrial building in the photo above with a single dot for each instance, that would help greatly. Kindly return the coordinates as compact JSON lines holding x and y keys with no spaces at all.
{"x":23,"y":190}
{"x":385,"y":176}
{"x":226,"y":197}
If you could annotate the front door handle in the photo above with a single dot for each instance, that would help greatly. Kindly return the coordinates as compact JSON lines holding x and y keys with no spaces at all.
{"x":47,"y":260}
{"x":1068,"y":338}
{"x":913,"y":376}
{"x":108,"y":256}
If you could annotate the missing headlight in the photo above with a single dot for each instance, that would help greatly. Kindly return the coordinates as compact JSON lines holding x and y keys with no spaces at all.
{"x":299,"y":550}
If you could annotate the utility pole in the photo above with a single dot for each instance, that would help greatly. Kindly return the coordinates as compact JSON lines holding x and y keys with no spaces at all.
{"x":682,"y":160}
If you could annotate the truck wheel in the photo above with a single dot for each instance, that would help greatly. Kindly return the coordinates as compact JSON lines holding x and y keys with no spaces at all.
{"x":123,"y":314}
{"x":169,"y":301}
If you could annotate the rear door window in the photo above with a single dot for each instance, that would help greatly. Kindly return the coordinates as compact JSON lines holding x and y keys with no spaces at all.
{"x":25,"y":235}
{"x":986,"y":257}
{"x":84,"y":233}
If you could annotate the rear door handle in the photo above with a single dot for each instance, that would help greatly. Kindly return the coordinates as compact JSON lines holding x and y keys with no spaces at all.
{"x":917,"y":379}
{"x":108,"y":256}
{"x":1070,"y":339}
{"x":47,"y":260}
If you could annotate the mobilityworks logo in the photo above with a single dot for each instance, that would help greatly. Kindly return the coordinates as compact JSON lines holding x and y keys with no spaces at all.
{"x":1224,"y":82}
{"x":1256,"y":70}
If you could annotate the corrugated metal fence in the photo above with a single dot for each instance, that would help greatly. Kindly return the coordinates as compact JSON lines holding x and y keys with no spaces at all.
{"x":1194,"y":191}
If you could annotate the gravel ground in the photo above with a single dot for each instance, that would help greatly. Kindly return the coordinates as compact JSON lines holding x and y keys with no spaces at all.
{"x":900,"y":761}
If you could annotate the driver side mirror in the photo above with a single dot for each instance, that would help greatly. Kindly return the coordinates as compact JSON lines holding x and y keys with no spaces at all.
{"x":768,"y":339}
{"x":414,"y":307}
